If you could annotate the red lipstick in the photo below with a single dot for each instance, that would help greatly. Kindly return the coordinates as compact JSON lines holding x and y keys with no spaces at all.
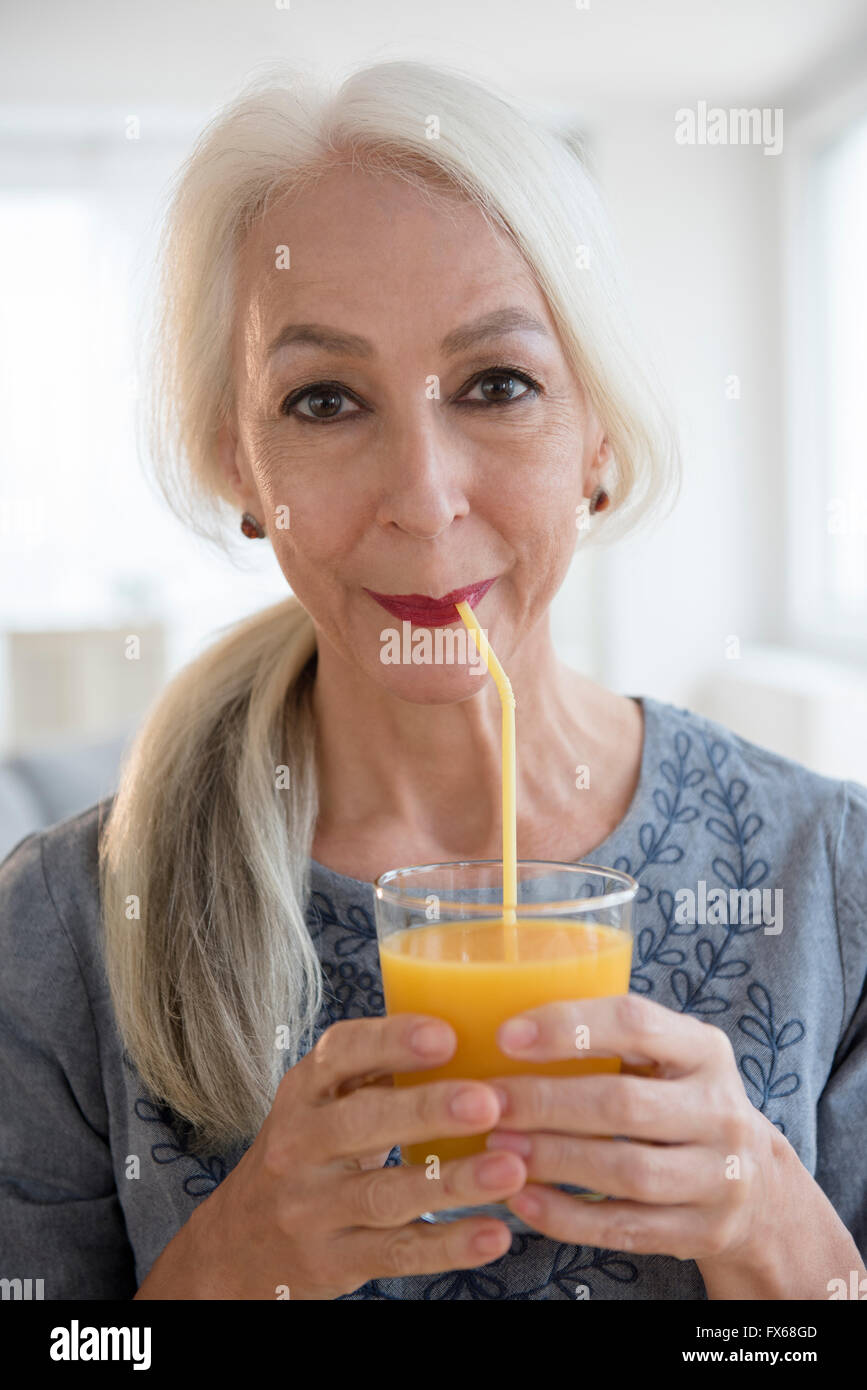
{"x":432,"y":612}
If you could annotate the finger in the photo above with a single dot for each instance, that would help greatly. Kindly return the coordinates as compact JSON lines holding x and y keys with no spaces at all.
{"x":372,"y":1117}
{"x":356,"y":1082}
{"x":635,"y":1107}
{"x":666,"y":1174}
{"x":376,"y":1161}
{"x":368,"y":1047}
{"x":630,"y":1026}
{"x":425,"y":1248}
{"x":394,"y":1196}
{"x":682,"y":1231}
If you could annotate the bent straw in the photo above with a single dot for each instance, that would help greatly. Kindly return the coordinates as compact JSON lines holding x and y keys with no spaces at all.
{"x":510,"y":848}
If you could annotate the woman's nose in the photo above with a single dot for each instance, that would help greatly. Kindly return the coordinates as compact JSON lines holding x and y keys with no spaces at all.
{"x":421,"y":484}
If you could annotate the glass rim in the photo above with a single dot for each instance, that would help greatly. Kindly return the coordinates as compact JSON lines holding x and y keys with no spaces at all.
{"x":529,"y":909}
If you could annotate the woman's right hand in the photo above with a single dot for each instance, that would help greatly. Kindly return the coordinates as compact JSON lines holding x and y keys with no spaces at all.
{"x":309,"y":1212}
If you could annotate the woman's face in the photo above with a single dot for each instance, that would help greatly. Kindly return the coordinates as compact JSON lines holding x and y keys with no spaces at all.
{"x":405,"y":459}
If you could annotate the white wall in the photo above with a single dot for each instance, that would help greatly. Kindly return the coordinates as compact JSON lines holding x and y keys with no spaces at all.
{"x":695,"y":613}
{"x":698,"y":230}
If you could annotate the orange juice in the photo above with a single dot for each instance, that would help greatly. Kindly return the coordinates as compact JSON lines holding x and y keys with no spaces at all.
{"x":461,"y":972}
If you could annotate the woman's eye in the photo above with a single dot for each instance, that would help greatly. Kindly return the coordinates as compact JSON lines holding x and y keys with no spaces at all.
{"x":325,"y":400}
{"x":324,"y":403}
{"x":500,"y":386}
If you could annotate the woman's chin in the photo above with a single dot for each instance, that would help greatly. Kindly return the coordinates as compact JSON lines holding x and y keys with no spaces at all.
{"x":430,"y":665}
{"x":433,"y":685}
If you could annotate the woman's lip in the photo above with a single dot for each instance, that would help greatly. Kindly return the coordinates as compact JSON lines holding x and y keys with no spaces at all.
{"x":419,"y":607}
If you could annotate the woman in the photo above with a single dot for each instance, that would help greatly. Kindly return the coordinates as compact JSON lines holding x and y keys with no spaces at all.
{"x":391,"y":340}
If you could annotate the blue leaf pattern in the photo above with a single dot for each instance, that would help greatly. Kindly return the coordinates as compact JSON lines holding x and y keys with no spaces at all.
{"x":207,"y":1173}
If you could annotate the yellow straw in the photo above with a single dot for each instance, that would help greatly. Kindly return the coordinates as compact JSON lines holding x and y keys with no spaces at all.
{"x":510,"y":852}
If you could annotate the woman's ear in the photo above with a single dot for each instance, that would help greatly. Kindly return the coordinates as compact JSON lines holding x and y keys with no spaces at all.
{"x":227,"y":450}
{"x":603,"y":454}
{"x":231,"y":462}
{"x":601,"y":459}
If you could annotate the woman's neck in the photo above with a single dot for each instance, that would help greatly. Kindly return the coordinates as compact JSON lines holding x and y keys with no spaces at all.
{"x":401,"y":782}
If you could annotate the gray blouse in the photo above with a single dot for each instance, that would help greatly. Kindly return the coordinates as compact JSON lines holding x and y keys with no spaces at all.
{"x":710,"y":811}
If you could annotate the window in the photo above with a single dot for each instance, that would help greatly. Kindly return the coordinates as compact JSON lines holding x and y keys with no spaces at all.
{"x":841,"y":178}
{"x":85,"y":541}
{"x":826,"y":343}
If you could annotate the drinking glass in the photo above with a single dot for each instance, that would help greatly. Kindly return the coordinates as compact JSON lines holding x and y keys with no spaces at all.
{"x":447,"y":950}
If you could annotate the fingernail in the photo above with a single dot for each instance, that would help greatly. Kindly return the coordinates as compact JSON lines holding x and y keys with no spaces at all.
{"x":519,"y":1034}
{"x":502,"y":1097}
{"x":514,"y":1143}
{"x":428,"y":1039}
{"x":494,"y":1171}
{"x":528,"y":1204}
{"x":469,"y":1104}
{"x":489,"y":1242}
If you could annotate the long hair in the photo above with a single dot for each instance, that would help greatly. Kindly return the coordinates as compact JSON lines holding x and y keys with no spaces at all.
{"x":205,"y":858}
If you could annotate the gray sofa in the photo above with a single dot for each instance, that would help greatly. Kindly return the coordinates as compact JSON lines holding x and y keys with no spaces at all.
{"x":39,"y":789}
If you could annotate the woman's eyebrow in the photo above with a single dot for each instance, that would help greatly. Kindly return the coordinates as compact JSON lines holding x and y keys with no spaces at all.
{"x":468,"y":335}
{"x":492,"y":325}
{"x":321,"y":336}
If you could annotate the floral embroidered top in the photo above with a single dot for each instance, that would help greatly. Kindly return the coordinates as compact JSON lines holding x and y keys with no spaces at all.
{"x":712,"y":814}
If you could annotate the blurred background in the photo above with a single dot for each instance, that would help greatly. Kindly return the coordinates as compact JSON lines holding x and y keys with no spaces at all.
{"x":746,"y":268}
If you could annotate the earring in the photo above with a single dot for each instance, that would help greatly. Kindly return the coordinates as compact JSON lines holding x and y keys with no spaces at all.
{"x":599,"y":501}
{"x":251,"y":527}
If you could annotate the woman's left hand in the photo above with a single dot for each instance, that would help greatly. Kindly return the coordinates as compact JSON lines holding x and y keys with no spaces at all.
{"x":701,"y":1179}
